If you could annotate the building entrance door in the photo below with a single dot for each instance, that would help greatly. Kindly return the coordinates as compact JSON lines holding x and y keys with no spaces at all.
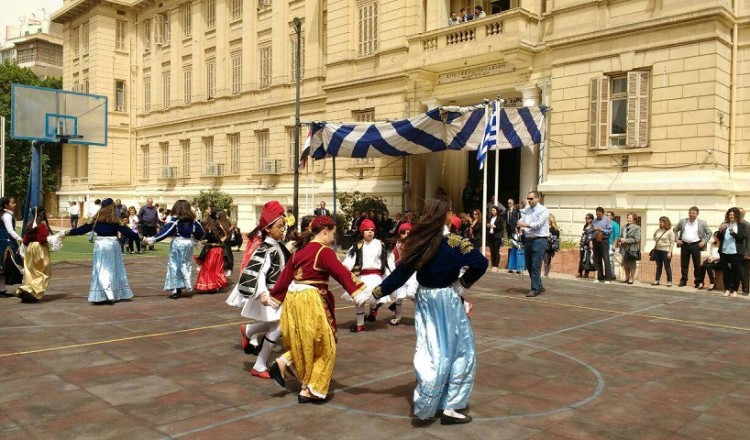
{"x":509,"y":177}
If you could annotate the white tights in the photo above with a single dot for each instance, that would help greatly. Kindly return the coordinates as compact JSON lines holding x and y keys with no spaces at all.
{"x":272,"y":337}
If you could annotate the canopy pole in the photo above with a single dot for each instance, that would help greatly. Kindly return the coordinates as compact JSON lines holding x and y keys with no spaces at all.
{"x":484,"y":186}
{"x":335,"y":204}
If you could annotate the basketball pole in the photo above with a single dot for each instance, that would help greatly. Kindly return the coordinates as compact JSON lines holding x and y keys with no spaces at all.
{"x":34,"y":189}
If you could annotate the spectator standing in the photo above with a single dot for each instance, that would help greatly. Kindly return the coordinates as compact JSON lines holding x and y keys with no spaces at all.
{"x":495,"y":236}
{"x":290,"y":221}
{"x":663,"y":245}
{"x":148,"y":219}
{"x":75,"y":214}
{"x":613,"y":243}
{"x":197,"y":211}
{"x":554,"y":244}
{"x":586,"y":259}
{"x":732,"y":235}
{"x":453,"y":19}
{"x":692,"y":235}
{"x":462,"y":18}
{"x":322,"y":210}
{"x":133,"y":224}
{"x":713,"y":261}
{"x":94,"y":209}
{"x":630,"y":241}
{"x":479,"y":12}
{"x":535,"y":224}
{"x":745,"y":256}
{"x":467,"y":196}
{"x":119,"y":209}
{"x":476,"y":229}
{"x":601,"y":229}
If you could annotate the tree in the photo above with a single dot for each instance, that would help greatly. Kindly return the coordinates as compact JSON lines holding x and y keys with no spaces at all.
{"x":217,"y":199}
{"x":355,"y":202}
{"x":18,"y":152}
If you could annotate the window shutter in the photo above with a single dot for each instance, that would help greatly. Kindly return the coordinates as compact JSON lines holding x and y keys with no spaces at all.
{"x":598,"y":112}
{"x":159,"y":29}
{"x":638,"y":109}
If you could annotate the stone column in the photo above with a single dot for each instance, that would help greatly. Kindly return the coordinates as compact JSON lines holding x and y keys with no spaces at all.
{"x":436,"y":14}
{"x":529,"y":157}
{"x":432,"y":163}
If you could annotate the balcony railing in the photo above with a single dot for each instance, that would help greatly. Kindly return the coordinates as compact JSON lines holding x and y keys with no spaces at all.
{"x":506,"y":30}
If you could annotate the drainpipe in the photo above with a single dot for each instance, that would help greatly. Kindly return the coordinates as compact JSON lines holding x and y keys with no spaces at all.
{"x":733,"y":94}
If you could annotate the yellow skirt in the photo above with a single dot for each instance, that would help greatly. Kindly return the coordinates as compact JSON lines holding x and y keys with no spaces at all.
{"x":37,"y":269}
{"x":309,"y":339}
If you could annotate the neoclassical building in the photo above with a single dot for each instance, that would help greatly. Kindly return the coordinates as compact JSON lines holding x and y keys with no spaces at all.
{"x":650,"y":101}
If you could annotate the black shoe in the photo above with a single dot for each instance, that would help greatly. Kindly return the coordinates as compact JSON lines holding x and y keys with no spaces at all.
{"x":176,"y":295}
{"x":682,"y":284}
{"x":275,"y":373}
{"x":392,"y":307}
{"x":541,"y":291}
{"x":5,"y":294}
{"x":313,"y":400}
{"x":256,"y":349}
{"x":532,"y":294}
{"x":448,"y":420}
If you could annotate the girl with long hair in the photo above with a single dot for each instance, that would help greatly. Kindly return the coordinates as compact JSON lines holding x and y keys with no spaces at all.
{"x":226,"y":228}
{"x":133,"y":220}
{"x":664,"y":241}
{"x":495,"y":232}
{"x":11,"y":262}
{"x":445,"y":358}
{"x":183,"y":226}
{"x":308,"y":319}
{"x":211,"y":277}
{"x":585,"y":253}
{"x":554,"y":244}
{"x":732,"y":236}
{"x":109,"y":280}
{"x":37,"y":266}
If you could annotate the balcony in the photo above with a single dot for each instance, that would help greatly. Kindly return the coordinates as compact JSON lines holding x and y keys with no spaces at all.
{"x":490,"y":39}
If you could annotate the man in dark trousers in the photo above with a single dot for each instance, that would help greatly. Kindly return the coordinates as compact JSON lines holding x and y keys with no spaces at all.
{"x":322,"y":210}
{"x":692,"y":235}
{"x":512,"y":214}
{"x":148,"y":218}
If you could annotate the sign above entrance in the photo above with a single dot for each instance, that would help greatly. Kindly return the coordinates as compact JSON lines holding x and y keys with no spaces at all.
{"x":475,"y":72}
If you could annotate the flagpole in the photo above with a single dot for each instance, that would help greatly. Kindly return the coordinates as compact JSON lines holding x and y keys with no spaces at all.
{"x":497,"y":155}
{"x":335,"y":208}
{"x":484,"y":184}
{"x":314,"y":183}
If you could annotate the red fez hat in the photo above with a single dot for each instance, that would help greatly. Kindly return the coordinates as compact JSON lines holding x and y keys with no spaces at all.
{"x":366,"y":224}
{"x":322,"y":221}
{"x":271,"y":212}
{"x":456,"y":222}
{"x":404,"y":227}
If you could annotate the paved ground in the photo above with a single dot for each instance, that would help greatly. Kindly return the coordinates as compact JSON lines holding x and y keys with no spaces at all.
{"x":582,"y":361}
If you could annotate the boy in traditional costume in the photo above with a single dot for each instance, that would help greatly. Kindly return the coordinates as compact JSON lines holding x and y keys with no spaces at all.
{"x":370,"y":260}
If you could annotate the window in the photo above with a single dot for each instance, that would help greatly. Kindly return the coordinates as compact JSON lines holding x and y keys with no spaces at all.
{"x":291,"y":146}
{"x":187,"y":84}
{"x":161,"y":28}
{"x":498,"y":6}
{"x":234,"y":153}
{"x":76,"y":38}
{"x":263,"y":147}
{"x":210,"y":14}
{"x":619,"y":111}
{"x":185,"y":144}
{"x":145,"y":166}
{"x":265,"y":66}
{"x":264,"y":3}
{"x":85,"y":37}
{"x":86,"y":82}
{"x":164,"y":147}
{"x":26,"y":55}
{"x":147,"y":94}
{"x":211,"y":78}
{"x":364,"y":116}
{"x":301,"y":56}
{"x":120,"y":32}
{"x":236,"y":9}
{"x":166,"y":78}
{"x":147,"y":35}
{"x":367,"y":28}
{"x":208,"y":153}
{"x":187,"y":19}
{"x":120,"y":100}
{"x":236,"y":72}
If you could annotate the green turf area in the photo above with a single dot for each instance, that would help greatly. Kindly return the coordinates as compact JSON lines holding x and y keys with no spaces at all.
{"x":79,"y":248}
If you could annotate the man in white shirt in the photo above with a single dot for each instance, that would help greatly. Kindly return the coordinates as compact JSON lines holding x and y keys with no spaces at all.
{"x":535,"y":225}
{"x":692,"y":235}
{"x":94,"y":209}
{"x":75,"y":214}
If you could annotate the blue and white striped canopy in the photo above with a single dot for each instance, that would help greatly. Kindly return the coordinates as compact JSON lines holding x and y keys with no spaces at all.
{"x":429,"y":132}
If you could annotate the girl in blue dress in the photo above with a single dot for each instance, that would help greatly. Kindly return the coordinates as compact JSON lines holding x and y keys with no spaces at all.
{"x":11,"y":262}
{"x":109,"y":280}
{"x":184,"y":228}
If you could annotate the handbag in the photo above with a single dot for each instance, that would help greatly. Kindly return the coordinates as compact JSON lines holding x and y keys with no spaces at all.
{"x":652,"y":252}
{"x":632,"y":254}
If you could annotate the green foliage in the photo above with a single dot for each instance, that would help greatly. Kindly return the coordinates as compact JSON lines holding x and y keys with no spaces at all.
{"x":341,"y":223}
{"x":218,"y":200}
{"x":356,"y":202}
{"x":18,"y":152}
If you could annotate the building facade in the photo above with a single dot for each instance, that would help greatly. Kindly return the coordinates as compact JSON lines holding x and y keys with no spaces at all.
{"x":35,"y":44}
{"x":649,"y":98}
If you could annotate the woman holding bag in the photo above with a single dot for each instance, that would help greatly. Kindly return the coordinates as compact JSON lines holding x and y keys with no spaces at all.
{"x":630,"y":246}
{"x":664,"y":241}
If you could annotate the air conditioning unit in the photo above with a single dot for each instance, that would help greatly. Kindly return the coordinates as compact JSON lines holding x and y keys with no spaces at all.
{"x":168,"y":172}
{"x":214,"y":169}
{"x":270,"y":166}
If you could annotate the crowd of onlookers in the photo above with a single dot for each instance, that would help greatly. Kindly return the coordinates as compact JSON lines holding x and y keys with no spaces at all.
{"x":727,"y":250}
{"x":463,"y":16}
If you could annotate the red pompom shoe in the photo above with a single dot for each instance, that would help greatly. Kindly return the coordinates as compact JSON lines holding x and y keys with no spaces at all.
{"x":261,"y":374}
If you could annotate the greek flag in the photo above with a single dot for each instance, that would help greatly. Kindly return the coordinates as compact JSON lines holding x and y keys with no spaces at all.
{"x":490,"y":137}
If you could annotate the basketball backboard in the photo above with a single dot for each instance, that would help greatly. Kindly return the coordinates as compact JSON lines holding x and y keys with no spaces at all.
{"x":52,"y":115}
